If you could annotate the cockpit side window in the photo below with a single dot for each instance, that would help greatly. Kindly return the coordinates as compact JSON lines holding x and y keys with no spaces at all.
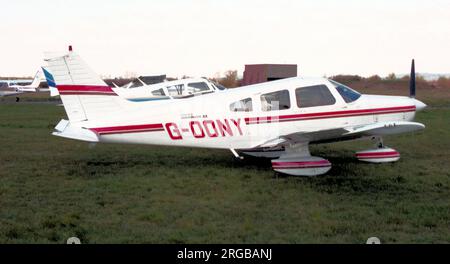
{"x":244,"y":105}
{"x":349,"y":95}
{"x":316,"y":95}
{"x":278,"y":100}
{"x":199,"y":86}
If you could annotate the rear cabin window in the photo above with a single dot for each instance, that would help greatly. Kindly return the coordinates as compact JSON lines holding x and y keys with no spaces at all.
{"x":159,"y":92}
{"x":244,"y":105}
{"x":175,"y":90}
{"x":279,"y":100}
{"x":317,"y":95}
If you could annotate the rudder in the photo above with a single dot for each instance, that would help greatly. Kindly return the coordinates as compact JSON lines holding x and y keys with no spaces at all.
{"x":84,"y":94}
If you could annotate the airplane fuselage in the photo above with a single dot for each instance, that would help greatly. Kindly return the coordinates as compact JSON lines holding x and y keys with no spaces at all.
{"x":207,"y":120}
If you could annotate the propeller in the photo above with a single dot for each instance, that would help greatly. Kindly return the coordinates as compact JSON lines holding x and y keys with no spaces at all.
{"x":412,"y":89}
{"x":412,"y":81}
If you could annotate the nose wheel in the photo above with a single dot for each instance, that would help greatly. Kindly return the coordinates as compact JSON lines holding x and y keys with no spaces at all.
{"x":380,"y":154}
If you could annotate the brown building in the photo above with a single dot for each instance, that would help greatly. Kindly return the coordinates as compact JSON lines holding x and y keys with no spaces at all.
{"x":258,"y":73}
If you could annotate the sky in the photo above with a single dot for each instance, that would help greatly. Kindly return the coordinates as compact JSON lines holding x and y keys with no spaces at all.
{"x":208,"y":37}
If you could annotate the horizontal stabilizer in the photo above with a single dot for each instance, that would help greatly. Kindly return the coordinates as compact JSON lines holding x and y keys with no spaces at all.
{"x":66,"y":130}
{"x":53,"y":91}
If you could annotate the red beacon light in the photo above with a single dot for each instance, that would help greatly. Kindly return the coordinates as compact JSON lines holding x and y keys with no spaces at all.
{"x":70,"y":48}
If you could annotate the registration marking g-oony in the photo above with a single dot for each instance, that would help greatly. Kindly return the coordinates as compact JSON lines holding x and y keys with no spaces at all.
{"x":230,"y":253}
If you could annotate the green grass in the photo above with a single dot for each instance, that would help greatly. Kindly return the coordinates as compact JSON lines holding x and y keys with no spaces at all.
{"x":52,"y":189}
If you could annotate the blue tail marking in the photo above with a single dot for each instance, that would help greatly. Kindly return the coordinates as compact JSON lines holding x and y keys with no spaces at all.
{"x":49,"y":78}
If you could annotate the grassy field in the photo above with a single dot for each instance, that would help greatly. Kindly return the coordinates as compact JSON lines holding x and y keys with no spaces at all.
{"x":52,"y":189}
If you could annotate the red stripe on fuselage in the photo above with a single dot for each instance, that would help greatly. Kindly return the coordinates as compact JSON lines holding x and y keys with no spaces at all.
{"x":323,"y":115}
{"x":260,"y":120}
{"x":128,"y":129}
{"x":85,"y":90}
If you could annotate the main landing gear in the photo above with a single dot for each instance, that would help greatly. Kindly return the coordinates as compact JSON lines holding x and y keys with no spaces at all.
{"x":381,"y":154}
{"x":297,"y":161}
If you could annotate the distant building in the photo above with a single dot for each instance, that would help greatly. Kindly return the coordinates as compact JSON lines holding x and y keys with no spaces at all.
{"x":258,"y":73}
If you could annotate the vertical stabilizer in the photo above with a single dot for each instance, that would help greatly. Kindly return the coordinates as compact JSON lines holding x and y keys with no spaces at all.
{"x":84,"y":94}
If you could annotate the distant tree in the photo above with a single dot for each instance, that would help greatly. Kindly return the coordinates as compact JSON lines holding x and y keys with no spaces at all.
{"x":420,"y":78}
{"x":406,"y":78}
{"x":374,"y":78}
{"x":346,"y":78}
{"x":443,"y":82}
{"x":391,"y":77}
{"x":130,"y":75}
{"x":230,"y":80}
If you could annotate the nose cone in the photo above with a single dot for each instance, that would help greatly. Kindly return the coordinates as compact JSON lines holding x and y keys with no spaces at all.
{"x":419,"y":105}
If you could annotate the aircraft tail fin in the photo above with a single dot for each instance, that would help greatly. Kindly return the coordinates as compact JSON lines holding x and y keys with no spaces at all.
{"x":83,"y":93}
{"x":50,"y":82}
{"x":36,"y":80}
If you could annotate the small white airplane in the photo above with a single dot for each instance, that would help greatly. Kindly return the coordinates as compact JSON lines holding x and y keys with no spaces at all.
{"x":278,"y":119}
{"x":30,"y":88}
{"x":17,"y":87}
{"x":161,"y":91}
{"x":8,"y":82}
{"x":170,"y":90}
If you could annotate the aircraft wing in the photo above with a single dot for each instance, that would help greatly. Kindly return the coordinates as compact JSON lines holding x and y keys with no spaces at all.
{"x":386,"y":128}
{"x":9,"y":93}
{"x":344,"y":133}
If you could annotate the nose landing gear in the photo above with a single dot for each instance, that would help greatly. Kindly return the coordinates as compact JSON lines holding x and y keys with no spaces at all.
{"x":381,"y":154}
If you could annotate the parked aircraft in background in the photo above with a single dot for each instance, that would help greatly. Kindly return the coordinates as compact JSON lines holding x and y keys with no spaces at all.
{"x":16,"y":87}
{"x":278,"y":119}
{"x":161,"y":91}
{"x":169,"y":90}
{"x":7,"y":83}
{"x":32,"y":87}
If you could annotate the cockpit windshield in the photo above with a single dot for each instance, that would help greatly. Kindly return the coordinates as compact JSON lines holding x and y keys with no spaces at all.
{"x":348,"y":94}
{"x":219,"y":86}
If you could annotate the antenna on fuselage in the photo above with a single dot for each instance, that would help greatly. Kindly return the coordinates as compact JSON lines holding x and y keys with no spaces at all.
{"x":412,"y":81}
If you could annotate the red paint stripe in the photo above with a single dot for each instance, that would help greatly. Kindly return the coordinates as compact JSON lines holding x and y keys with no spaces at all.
{"x":321,"y":115}
{"x":85,"y":90}
{"x":379,"y":157}
{"x":377,"y":154}
{"x":86,"y":93}
{"x":128,"y":129}
{"x":301,"y":167}
{"x":295,"y":163}
{"x":300,"y":164}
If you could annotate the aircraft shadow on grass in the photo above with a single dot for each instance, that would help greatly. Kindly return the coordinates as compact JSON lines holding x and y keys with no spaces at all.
{"x":345,"y":177}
